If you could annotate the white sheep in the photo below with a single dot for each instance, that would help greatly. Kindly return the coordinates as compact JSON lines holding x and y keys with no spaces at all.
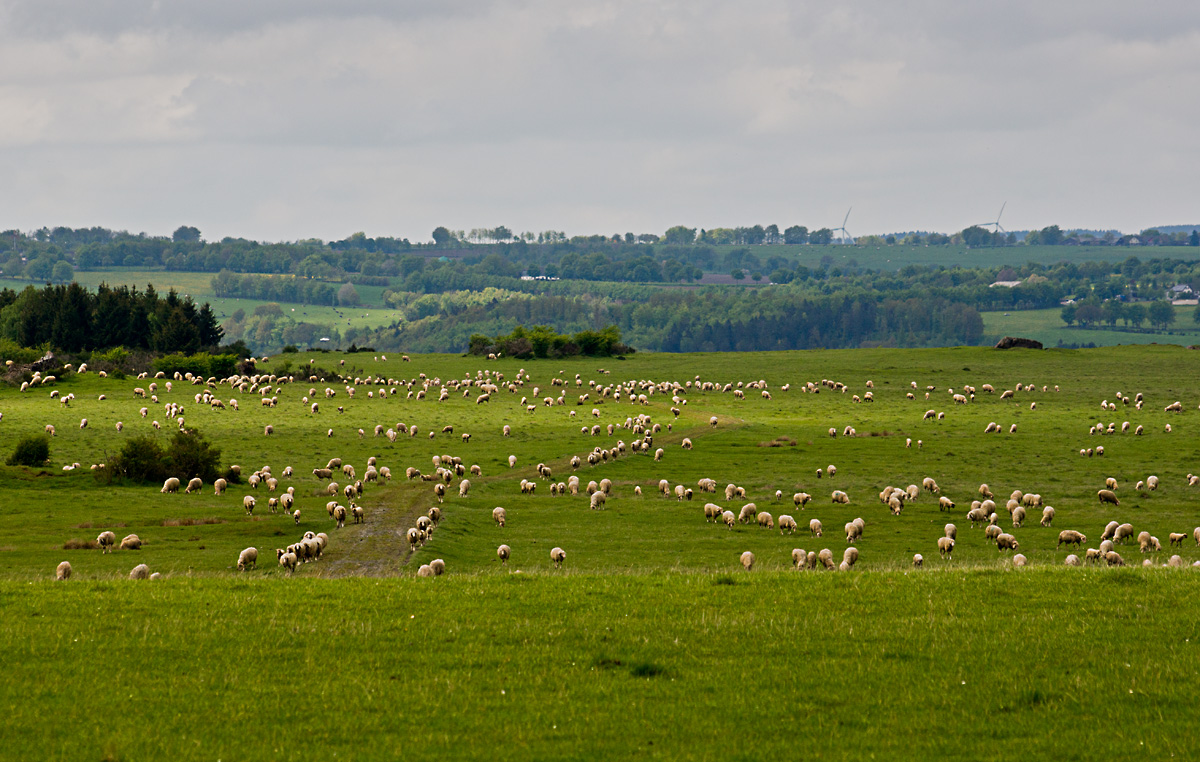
{"x":918,"y":560}
{"x":170,"y":485}
{"x":248,"y":558}
{"x":747,"y":559}
{"x":141,"y":571}
{"x":106,"y":540}
{"x":815,"y":528}
{"x":945,"y":546}
{"x":499,"y":515}
{"x":558,"y":556}
{"x":63,"y":572}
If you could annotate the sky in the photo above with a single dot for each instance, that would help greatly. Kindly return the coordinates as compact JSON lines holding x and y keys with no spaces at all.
{"x":283,"y":120}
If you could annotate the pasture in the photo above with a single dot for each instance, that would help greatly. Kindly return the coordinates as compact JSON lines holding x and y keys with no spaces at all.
{"x":1048,"y":327}
{"x":651,"y":640}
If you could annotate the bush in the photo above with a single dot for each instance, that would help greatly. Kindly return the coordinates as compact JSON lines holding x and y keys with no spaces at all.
{"x":31,"y":451}
{"x":140,"y":460}
{"x":190,"y":455}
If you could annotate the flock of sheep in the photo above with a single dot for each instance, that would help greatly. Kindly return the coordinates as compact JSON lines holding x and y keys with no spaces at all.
{"x":642,"y":431}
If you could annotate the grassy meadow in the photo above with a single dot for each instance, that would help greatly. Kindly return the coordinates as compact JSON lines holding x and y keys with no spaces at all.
{"x":1048,"y":327}
{"x":651,"y":640}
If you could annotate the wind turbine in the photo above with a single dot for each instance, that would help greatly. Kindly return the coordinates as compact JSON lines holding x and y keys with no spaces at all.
{"x":845,"y":237}
{"x":995,"y":226}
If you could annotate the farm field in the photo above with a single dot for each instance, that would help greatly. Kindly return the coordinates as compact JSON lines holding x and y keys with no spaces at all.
{"x":651,"y":640}
{"x":1047,"y":327}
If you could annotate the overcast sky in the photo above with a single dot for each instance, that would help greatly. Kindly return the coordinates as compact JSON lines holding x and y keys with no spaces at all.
{"x":289,"y":119}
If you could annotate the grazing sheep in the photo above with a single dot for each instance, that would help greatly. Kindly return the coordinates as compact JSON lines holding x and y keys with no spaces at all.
{"x":63,"y":572}
{"x":849,"y":558}
{"x":1106,"y":546}
{"x":1147,"y":542}
{"x":1093,"y":555}
{"x":826,"y":558}
{"x":1175,"y":562}
{"x":194,"y":485}
{"x":141,"y":571}
{"x":296,"y":515}
{"x":918,"y":560}
{"x":1114,"y":558}
{"x":787,"y":523}
{"x":131,"y":542}
{"x":1072,"y":560}
{"x":815,"y":528}
{"x":1005,"y":541}
{"x":945,"y":503}
{"x":1111,"y":483}
{"x":729,"y":518}
{"x":945,"y":547}
{"x":1111,"y":529}
{"x":248,"y":558}
{"x":747,"y":560}
{"x":766,"y":520}
{"x":503,"y":553}
{"x":425,"y":571}
{"x":558,"y":555}
{"x":840,"y":497}
{"x":1071,"y":537}
{"x":800,"y":499}
{"x":1047,"y":516}
{"x":951,"y":531}
{"x":438,"y":566}
{"x":1019,"y":560}
{"x":248,"y":503}
{"x":1018,"y":517}
{"x":929,"y":484}
{"x":106,"y":540}
{"x":219,"y":487}
{"x":499,"y":515}
{"x":1107,"y":496}
{"x":170,"y":485}
{"x":1124,"y":532}
{"x":799,"y":558}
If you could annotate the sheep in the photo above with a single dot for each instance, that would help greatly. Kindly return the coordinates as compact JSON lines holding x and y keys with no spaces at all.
{"x":339,"y":515}
{"x":849,"y":558}
{"x":991,"y":532}
{"x":799,"y":558}
{"x":63,"y":572}
{"x":1106,"y":546}
{"x":1047,"y":516}
{"x":747,"y":559}
{"x":499,"y":515}
{"x":1111,"y":483}
{"x":106,"y":540}
{"x":1113,"y":558}
{"x":247,"y":558}
{"x":729,"y":518}
{"x":1019,"y":560}
{"x":194,"y":485}
{"x":503,"y":552}
{"x":1177,"y":538}
{"x":141,"y":571}
{"x":1071,"y":537}
{"x":945,"y":547}
{"x":1152,"y":482}
{"x":951,"y":531}
{"x":853,"y":531}
{"x":766,"y":520}
{"x":1018,"y":517}
{"x":1110,"y":530}
{"x":840,"y":497}
{"x":945,"y":503}
{"x":438,"y":566}
{"x":131,"y":542}
{"x":815,"y":528}
{"x":800,"y":499}
{"x":1147,"y":543}
{"x":1093,"y":555}
{"x":787,"y":523}
{"x":558,"y":556}
{"x":1124,"y":532}
{"x":826,"y":558}
{"x":1175,"y":562}
{"x":1107,"y":496}
{"x":930,"y":485}
{"x":1006,"y":541}
{"x":831,"y":471}
{"x":1072,"y":560}
{"x":425,"y":571}
{"x":170,"y":485}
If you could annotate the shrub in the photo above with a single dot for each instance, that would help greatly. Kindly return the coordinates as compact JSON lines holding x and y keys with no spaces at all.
{"x":190,"y":455}
{"x":31,"y":451}
{"x":140,"y":460}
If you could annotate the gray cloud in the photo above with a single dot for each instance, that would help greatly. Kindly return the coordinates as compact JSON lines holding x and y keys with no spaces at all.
{"x":284,"y":120}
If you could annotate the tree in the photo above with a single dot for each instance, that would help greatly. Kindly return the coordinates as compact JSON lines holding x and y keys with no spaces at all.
{"x":31,"y":451}
{"x":41,"y":268}
{"x":1196,"y":316}
{"x":738,"y":274}
{"x":1113,"y":311}
{"x":1050,"y":236}
{"x":1135,"y":315}
{"x":501,"y":233}
{"x":772,"y":234}
{"x":1161,"y":314}
{"x":679,"y":235}
{"x":820,"y":237}
{"x":62,"y":272}
{"x":1088,"y":313}
{"x":796,"y":234}
{"x":189,"y":455}
{"x":441,"y":236}
{"x":1069,"y":313}
{"x":186,"y":234}
{"x":348,"y":295}
{"x":1194,"y":239}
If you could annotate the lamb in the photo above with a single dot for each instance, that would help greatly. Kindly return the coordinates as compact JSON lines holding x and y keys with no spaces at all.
{"x":499,"y":516}
{"x":1177,"y":538}
{"x":1071,"y":537}
{"x":503,"y":553}
{"x":1093,"y":555}
{"x":170,"y":485}
{"x":63,"y":572}
{"x":248,"y":558}
{"x":747,"y":560}
{"x":1107,"y":496}
{"x":558,"y":556}
{"x":131,"y":542}
{"x":106,"y":540}
{"x":787,"y":523}
{"x":945,"y":503}
{"x":1047,"y":516}
{"x":945,"y":547}
{"x":815,"y":528}
{"x":141,"y":571}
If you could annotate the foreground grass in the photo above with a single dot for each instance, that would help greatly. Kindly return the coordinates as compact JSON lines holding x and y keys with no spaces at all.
{"x":976,"y":665}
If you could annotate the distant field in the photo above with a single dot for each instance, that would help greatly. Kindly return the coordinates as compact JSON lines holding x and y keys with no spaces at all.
{"x":1047,"y":327}
{"x":652,"y":641}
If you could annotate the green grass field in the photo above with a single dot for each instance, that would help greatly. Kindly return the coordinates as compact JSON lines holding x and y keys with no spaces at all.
{"x":1048,"y":327}
{"x":651,"y":640}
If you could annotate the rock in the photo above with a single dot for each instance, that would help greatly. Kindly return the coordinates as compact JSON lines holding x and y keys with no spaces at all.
{"x":1012,"y":342}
